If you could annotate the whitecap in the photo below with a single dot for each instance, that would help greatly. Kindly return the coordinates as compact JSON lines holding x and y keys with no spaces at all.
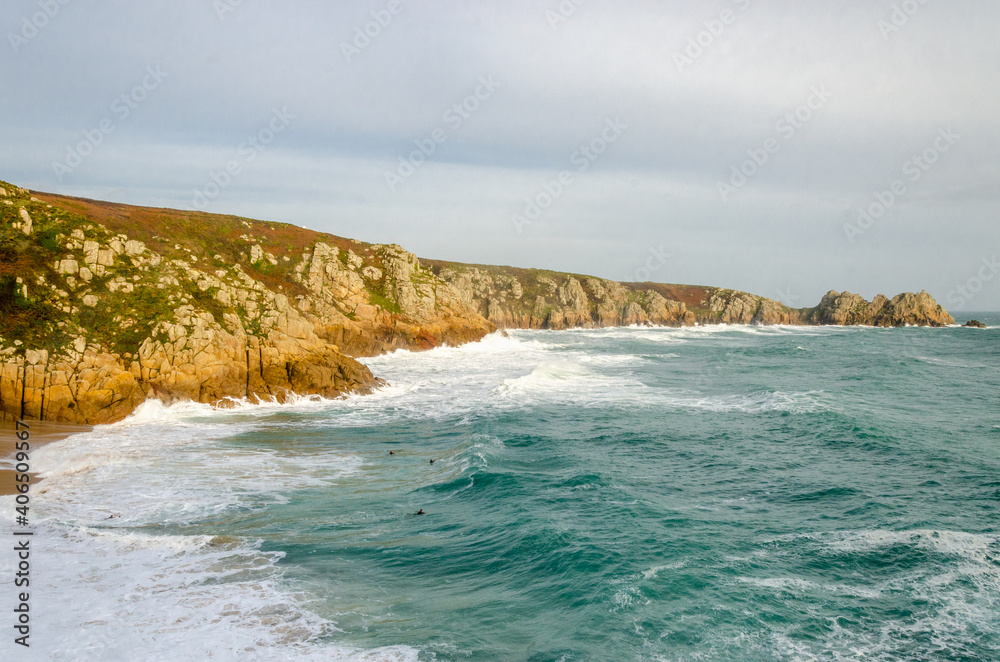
{"x":754,"y":403}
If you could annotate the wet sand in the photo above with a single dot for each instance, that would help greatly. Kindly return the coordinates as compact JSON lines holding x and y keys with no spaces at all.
{"x":41,"y":433}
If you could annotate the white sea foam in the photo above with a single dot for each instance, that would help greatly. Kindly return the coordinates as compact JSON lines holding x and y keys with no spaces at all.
{"x":114,"y":589}
{"x":498,"y":373}
{"x":107,"y":594}
{"x":750,"y":403}
{"x":615,"y":359}
{"x":960,"y":598}
{"x":173,"y":472}
{"x":522,"y":371}
{"x":797,"y":585}
{"x":973,"y":546}
{"x":655,"y":571}
{"x":208,"y":418}
{"x":950,"y":364}
{"x":559,"y":380}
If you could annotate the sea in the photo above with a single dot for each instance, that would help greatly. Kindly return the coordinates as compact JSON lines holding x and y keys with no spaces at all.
{"x":702,"y":493}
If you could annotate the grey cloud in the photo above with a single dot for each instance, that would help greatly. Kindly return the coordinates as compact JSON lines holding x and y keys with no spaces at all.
{"x":688,"y":127}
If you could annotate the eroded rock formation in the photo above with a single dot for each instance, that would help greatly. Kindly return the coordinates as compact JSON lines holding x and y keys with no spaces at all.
{"x":906,"y":309}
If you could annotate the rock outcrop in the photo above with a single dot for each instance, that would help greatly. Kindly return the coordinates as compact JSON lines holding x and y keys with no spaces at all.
{"x":732,"y":307}
{"x":103,"y":306}
{"x":537,"y":299}
{"x":975,"y":324}
{"x":902,"y":310}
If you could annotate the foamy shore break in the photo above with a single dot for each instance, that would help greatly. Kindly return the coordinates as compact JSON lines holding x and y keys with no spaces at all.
{"x":107,"y":305}
{"x":42,"y":433}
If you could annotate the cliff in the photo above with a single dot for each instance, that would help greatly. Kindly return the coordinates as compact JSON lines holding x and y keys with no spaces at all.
{"x":104,"y":305}
{"x":538,"y":299}
{"x":902,"y":310}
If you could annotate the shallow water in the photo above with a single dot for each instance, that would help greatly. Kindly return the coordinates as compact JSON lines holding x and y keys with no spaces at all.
{"x":711,"y":493}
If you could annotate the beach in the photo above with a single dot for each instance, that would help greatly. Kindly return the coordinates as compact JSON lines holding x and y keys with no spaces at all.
{"x":41,"y":433}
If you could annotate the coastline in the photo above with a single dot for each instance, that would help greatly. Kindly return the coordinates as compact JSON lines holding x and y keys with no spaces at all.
{"x":50,"y":431}
{"x":42,"y":434}
{"x":133,"y":312}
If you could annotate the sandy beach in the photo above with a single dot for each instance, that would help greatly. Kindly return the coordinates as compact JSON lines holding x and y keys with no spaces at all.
{"x":41,"y":433}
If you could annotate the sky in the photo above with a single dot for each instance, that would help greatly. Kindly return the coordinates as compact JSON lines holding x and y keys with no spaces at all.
{"x":779,"y":147}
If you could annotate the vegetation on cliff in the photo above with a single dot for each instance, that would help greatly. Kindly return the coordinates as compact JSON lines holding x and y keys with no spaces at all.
{"x":104,"y":305}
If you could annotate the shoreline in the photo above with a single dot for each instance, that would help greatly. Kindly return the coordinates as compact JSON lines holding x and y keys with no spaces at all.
{"x":42,"y":433}
{"x":45,"y":432}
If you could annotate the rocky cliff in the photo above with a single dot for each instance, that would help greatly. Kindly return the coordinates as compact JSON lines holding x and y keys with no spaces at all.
{"x":537,"y":299}
{"x":904,"y":309}
{"x":105,"y":305}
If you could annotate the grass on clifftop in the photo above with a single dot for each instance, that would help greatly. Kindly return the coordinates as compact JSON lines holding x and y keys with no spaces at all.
{"x":43,"y":309}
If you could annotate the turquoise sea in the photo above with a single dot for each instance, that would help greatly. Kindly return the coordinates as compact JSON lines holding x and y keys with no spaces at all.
{"x":708,"y":493}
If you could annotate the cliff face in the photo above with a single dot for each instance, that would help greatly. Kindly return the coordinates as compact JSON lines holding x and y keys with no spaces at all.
{"x":904,"y":309}
{"x":539,"y":299}
{"x":104,"y":305}
{"x":732,"y":307}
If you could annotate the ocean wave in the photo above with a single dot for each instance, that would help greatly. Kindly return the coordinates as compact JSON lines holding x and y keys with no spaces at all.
{"x":160,"y":472}
{"x":560,"y":380}
{"x":496,"y":344}
{"x":975,"y":547}
{"x":756,"y":402}
{"x":798,"y":586}
{"x":136,"y":593}
{"x":703,"y":329}
{"x":950,"y":364}
{"x":169,"y":597}
{"x":981,"y":548}
{"x":460,"y":382}
{"x":190,"y":413}
{"x":616,"y":359}
{"x":940,"y":590}
{"x":547,"y":375}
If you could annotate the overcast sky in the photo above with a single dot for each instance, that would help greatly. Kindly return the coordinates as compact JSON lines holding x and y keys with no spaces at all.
{"x":762,"y":145}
